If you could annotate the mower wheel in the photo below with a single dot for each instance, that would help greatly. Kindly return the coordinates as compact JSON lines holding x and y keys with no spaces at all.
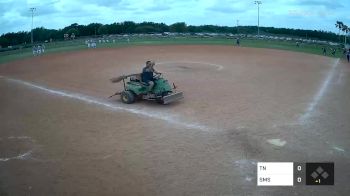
{"x":127,"y":97}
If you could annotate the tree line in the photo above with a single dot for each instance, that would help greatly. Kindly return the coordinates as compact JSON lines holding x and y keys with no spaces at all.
{"x":42,"y":34}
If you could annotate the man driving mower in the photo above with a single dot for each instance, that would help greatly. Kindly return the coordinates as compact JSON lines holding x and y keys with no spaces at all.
{"x":147,"y":74}
{"x":149,"y":85}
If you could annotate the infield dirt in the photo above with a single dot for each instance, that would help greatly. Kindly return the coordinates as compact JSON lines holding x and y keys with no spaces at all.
{"x":241,"y":106}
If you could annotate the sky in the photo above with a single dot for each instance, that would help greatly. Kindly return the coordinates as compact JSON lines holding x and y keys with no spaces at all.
{"x":54,"y":14}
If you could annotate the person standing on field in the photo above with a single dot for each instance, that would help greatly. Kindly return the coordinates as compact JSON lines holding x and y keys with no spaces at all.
{"x":334,"y":51}
{"x":39,"y":49}
{"x":34,"y":50}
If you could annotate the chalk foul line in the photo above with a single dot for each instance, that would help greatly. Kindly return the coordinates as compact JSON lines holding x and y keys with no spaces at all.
{"x":318,"y":96}
{"x":23,"y":156}
{"x":173,"y":119}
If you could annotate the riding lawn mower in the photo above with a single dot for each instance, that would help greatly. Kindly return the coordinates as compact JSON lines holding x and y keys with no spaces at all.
{"x":134,"y":89}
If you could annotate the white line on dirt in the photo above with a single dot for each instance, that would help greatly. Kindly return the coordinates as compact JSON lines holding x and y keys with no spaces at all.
{"x":23,"y":156}
{"x":91,"y":100}
{"x":19,"y":138}
{"x":319,"y":94}
{"x":218,"y":67}
{"x":338,"y":149}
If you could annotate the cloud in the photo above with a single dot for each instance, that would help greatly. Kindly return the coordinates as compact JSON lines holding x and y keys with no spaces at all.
{"x":328,"y":4}
{"x":159,"y":7}
{"x":225,"y":9}
{"x":309,"y":14}
{"x":228,"y":6}
{"x":112,"y":4}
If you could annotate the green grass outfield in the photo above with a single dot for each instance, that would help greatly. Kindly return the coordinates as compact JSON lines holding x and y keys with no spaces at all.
{"x":65,"y":46}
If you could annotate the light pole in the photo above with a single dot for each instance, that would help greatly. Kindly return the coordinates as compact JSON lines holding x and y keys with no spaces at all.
{"x":31,"y":31}
{"x":237,"y":26}
{"x":258,"y":3}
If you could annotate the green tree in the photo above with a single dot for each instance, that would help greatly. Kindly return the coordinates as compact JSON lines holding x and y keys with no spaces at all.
{"x":92,"y":28}
{"x":192,"y":29}
{"x":102,"y":30}
{"x":345,"y":29}
{"x":179,"y":27}
{"x":73,"y":30}
{"x":339,"y":26}
{"x":129,"y":27}
{"x":4,"y":42}
{"x":145,"y":29}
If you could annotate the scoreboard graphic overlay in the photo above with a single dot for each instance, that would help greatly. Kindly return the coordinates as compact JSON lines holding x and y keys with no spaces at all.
{"x":291,"y":173}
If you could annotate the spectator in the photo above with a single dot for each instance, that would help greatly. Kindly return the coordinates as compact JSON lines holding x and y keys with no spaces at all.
{"x":334,"y":51}
{"x":34,"y":50}
{"x":39,"y":49}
